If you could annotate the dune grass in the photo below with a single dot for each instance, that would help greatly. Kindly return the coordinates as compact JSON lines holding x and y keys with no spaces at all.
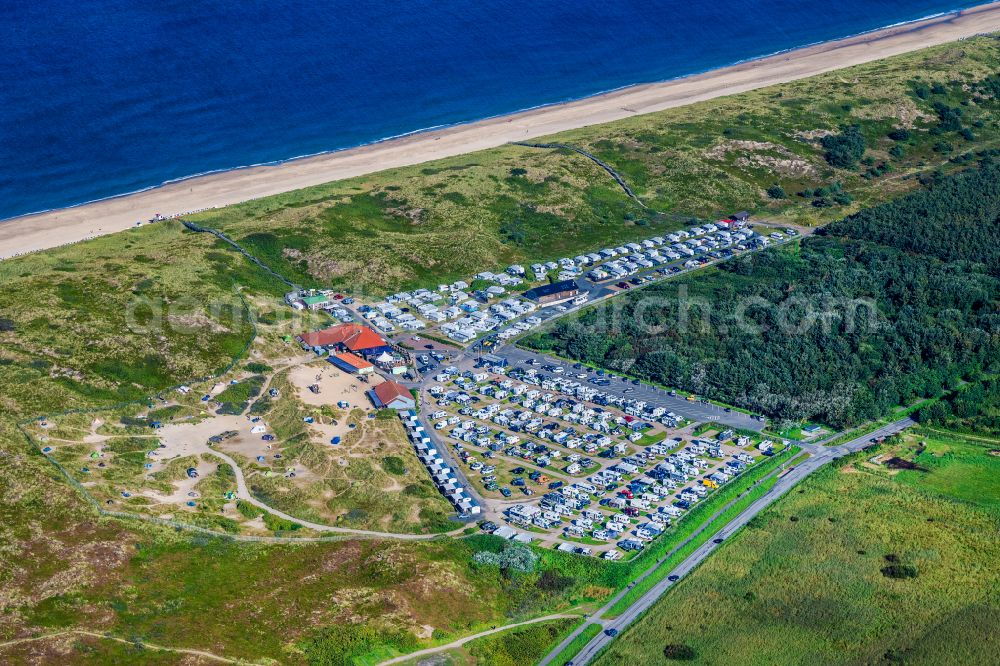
{"x":451,"y":218}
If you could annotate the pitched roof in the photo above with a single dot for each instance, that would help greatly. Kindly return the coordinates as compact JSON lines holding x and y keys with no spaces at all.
{"x":354,"y":361}
{"x":390,"y":390}
{"x":353,"y":336}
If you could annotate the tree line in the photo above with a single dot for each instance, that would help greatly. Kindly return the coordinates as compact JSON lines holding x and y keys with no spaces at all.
{"x":888,"y":306}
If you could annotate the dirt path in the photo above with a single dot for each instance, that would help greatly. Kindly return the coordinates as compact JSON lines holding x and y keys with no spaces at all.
{"x":243,"y":492}
{"x":149,"y":646}
{"x":462,"y":641}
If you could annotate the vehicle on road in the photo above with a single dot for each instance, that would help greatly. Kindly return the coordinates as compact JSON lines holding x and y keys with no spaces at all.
{"x":612,"y":632}
{"x":673,"y":578}
{"x":717,"y":541}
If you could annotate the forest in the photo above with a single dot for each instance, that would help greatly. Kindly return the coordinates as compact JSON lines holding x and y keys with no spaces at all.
{"x":893,"y":304}
{"x":974,"y":408}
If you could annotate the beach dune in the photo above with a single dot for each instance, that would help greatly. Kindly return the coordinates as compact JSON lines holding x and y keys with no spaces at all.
{"x":31,"y":233}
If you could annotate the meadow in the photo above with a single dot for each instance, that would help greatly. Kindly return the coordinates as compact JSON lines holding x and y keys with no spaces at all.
{"x":863,"y":563}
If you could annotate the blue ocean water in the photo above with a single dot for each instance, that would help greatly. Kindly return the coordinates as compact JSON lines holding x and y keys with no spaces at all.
{"x":104,"y":97}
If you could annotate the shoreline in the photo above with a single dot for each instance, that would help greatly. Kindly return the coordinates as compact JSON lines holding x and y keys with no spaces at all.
{"x":48,"y":229}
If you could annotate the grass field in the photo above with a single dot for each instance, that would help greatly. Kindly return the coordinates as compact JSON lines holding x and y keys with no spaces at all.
{"x":810,"y":580}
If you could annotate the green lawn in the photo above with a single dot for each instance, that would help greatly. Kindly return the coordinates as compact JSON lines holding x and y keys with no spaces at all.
{"x":804,"y":582}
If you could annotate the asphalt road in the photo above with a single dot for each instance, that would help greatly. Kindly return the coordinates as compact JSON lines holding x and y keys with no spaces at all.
{"x":819,"y":457}
{"x":695,"y":411}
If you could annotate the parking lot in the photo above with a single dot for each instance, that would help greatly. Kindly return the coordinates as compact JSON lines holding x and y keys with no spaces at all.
{"x":627,"y":388}
{"x":563,"y":470}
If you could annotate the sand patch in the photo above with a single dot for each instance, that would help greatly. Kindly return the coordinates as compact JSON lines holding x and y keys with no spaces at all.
{"x":334,"y":386}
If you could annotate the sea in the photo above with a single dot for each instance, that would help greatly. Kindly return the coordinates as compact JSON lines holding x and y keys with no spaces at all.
{"x":106,"y":97}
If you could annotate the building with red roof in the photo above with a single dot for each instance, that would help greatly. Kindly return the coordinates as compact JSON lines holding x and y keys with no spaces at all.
{"x":356,"y":338}
{"x":351,"y":363}
{"x":392,"y":395}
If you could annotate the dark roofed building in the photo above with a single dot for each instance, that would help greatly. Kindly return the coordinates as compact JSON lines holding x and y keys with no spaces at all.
{"x":557,"y":292}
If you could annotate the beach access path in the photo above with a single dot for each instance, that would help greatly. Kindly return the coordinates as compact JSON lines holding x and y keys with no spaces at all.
{"x":69,"y":225}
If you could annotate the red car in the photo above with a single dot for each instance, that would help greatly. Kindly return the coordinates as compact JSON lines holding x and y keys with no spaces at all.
{"x":623,"y":285}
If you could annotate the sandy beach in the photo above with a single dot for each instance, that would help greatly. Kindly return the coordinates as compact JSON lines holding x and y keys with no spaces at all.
{"x":45,"y":230}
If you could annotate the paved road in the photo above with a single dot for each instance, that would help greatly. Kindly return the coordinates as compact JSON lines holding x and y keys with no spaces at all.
{"x":820,"y":456}
{"x":695,"y":411}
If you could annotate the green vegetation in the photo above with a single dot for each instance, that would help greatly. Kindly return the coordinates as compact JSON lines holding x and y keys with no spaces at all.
{"x":521,"y":645}
{"x":839,"y":329}
{"x":342,"y":645}
{"x":577,"y":644}
{"x":974,"y":408}
{"x":863,"y":564}
{"x":236,"y":397}
{"x":843,"y":150}
{"x":965,"y":468}
{"x":371,"y":479}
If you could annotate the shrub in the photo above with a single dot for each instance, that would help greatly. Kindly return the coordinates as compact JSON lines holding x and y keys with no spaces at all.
{"x":679,"y":652}
{"x":257,"y":368}
{"x":341,"y":645}
{"x":845,"y":149}
{"x":393,"y":465}
{"x":248,"y":510}
{"x":776,"y":192}
{"x":899,"y":134}
{"x":899,"y":571}
{"x":520,"y":559}
{"x":277,"y":524}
